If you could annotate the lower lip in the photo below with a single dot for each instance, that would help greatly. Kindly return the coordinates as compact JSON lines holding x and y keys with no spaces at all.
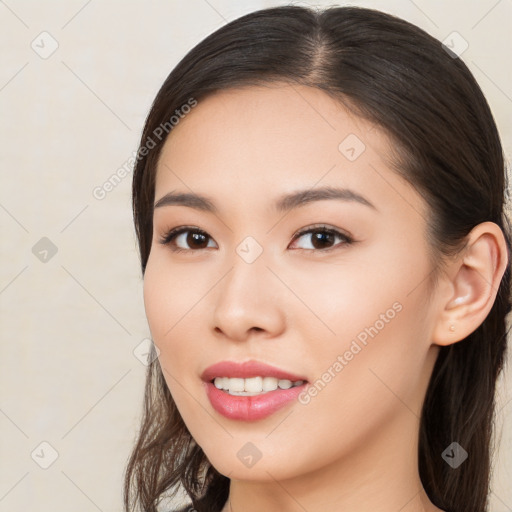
{"x":250,"y":408}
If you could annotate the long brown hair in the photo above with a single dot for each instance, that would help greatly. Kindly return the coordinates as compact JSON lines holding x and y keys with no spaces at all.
{"x":425,"y":99}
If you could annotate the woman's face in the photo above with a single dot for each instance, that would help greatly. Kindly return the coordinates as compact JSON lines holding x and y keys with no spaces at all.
{"x":346,"y":306}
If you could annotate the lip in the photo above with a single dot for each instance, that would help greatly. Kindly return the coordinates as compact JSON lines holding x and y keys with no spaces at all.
{"x":249,"y":408}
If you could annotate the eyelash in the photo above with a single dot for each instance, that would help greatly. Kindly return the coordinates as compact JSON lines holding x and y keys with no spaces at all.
{"x":170,"y":236}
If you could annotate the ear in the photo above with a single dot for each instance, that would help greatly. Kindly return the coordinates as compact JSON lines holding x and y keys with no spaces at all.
{"x":473,"y":279}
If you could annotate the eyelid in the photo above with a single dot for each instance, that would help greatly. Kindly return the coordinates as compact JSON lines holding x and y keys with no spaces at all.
{"x":319,"y":227}
{"x":348,"y":239}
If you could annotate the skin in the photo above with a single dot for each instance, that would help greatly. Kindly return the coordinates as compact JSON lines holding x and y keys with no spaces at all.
{"x":354,"y":445}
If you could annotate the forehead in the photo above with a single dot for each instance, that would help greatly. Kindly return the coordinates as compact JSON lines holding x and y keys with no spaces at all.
{"x":277,"y":124}
{"x":262,"y":141}
{"x":278,"y":109}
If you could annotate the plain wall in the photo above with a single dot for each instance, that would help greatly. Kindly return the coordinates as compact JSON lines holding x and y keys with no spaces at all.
{"x":70,"y":321}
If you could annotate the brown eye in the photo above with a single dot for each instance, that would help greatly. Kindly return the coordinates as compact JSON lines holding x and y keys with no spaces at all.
{"x":191,"y":238}
{"x":196,"y":240}
{"x":322,"y":238}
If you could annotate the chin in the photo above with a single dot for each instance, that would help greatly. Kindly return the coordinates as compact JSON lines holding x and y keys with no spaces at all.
{"x":243,"y":461}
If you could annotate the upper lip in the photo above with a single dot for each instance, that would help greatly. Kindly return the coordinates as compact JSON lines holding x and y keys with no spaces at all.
{"x":245,"y":370}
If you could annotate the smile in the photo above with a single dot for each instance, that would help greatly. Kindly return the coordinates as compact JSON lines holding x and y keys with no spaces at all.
{"x":253,"y":386}
{"x":250,"y":390}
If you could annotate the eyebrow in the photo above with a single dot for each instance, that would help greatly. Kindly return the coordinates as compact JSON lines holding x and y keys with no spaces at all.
{"x":286,"y":202}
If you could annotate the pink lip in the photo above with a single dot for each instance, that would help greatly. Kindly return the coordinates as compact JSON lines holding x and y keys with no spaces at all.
{"x":249,"y":408}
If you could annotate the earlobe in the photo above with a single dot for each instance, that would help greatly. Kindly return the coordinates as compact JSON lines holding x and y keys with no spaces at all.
{"x":475,"y":279}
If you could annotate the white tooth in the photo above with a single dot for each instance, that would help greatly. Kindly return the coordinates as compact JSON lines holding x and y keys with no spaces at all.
{"x":285,"y":384}
{"x":236,"y":384}
{"x":254,"y":384}
{"x":269,"y":383}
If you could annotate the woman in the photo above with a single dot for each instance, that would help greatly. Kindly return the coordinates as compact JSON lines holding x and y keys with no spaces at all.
{"x":319,"y":205}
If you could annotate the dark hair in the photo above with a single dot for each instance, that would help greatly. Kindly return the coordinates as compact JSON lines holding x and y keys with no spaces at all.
{"x":445,"y":143}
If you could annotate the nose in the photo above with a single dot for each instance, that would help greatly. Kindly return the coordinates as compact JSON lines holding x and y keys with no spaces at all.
{"x":249,"y":299}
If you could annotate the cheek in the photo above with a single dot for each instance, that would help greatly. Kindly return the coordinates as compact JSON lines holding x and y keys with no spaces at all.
{"x":170,"y":295}
{"x":361,"y":289}
{"x":375,"y":332}
{"x":370,"y":375}
{"x":167,"y":298}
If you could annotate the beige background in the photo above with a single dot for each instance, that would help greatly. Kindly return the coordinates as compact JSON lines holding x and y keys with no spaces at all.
{"x":70,"y":325}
